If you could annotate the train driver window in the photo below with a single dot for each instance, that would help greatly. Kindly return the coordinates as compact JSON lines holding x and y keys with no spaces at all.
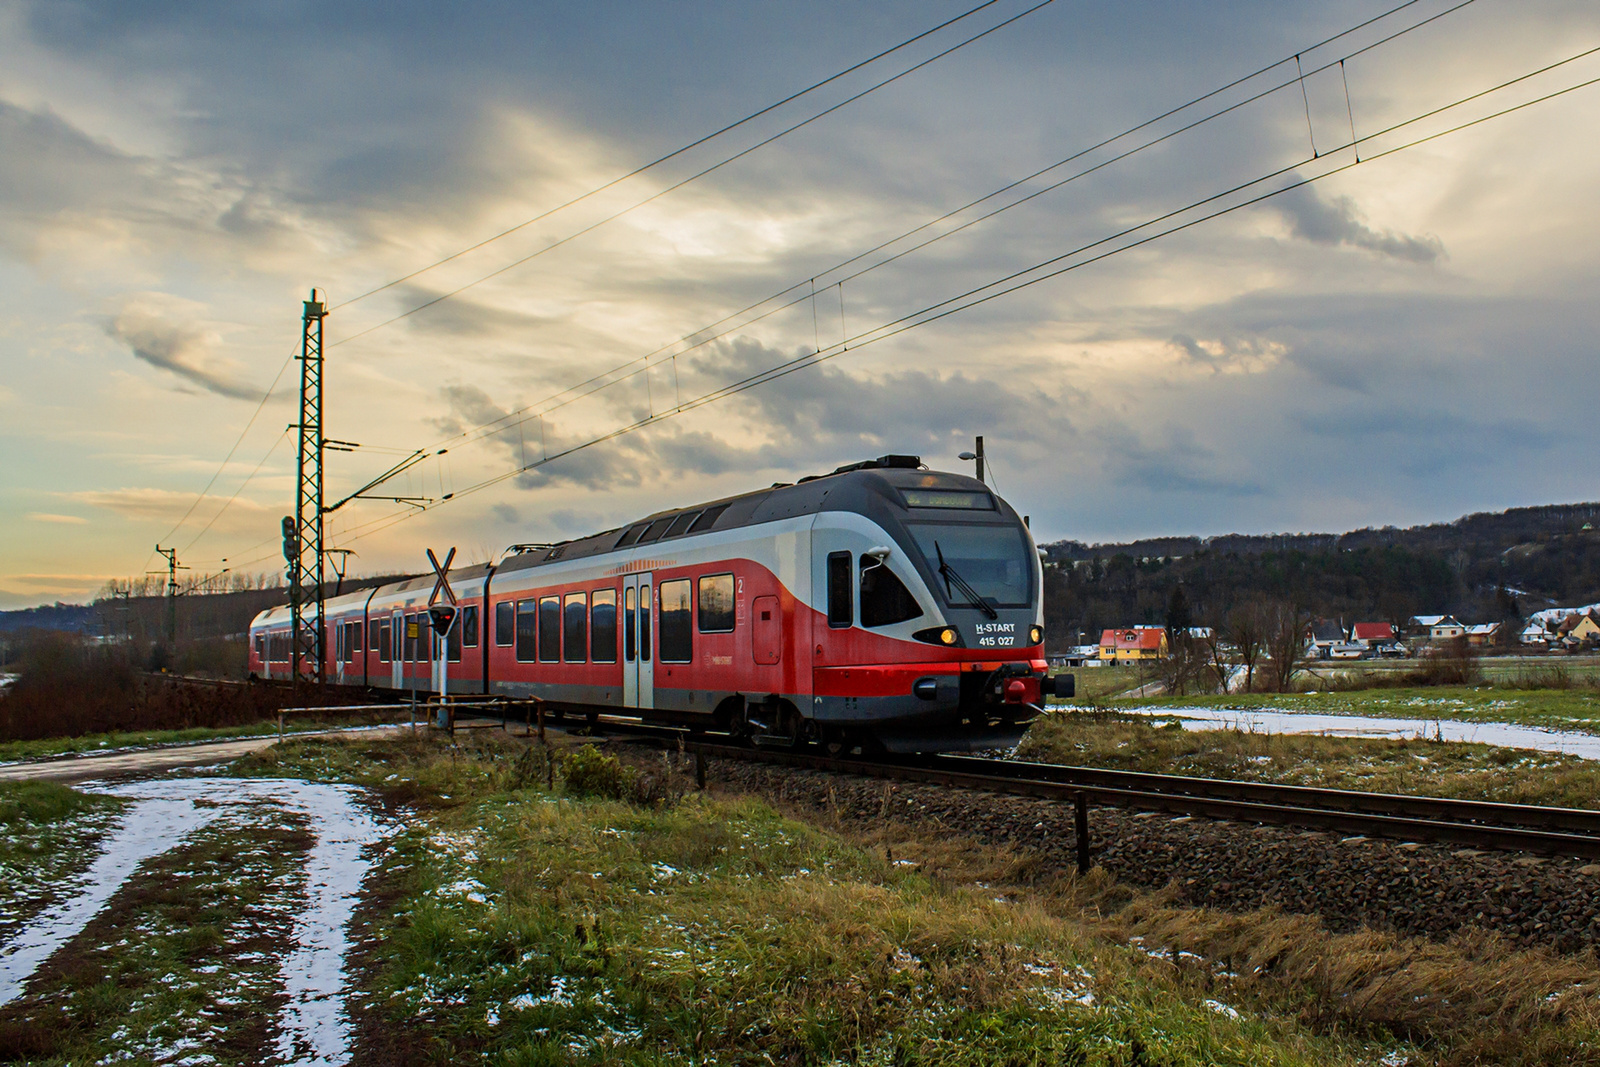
{"x":469,"y":626}
{"x":884,"y":597}
{"x":576,"y":623}
{"x":841,"y":612}
{"x":527,"y":629}
{"x":603,"y":626}
{"x":716,"y":604}
{"x":550,"y":629}
{"x":677,"y":632}
{"x":630,"y":629}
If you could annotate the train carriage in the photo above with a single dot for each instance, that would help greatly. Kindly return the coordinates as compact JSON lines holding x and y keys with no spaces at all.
{"x":884,"y":605}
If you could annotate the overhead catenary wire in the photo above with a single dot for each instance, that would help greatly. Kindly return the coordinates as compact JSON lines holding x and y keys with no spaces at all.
{"x":1018,"y":280}
{"x":560,"y":242}
{"x":675,"y":153}
{"x":712,"y":331}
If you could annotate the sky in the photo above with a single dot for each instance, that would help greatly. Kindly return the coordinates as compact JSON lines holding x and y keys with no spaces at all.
{"x":1401,"y":339}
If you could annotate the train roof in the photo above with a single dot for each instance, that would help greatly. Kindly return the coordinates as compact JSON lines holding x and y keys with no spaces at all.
{"x":846,"y":489}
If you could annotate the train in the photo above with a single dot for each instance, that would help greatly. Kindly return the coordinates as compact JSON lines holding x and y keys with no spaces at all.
{"x":883,"y":607}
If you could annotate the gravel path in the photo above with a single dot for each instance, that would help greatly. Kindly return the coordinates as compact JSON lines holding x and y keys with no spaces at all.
{"x":1415,"y":889}
{"x":78,"y":768}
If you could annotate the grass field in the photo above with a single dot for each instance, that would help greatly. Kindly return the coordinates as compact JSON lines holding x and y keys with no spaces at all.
{"x":1436,"y":768}
{"x":1566,"y":709}
{"x":11,"y":751}
{"x":625,"y":918}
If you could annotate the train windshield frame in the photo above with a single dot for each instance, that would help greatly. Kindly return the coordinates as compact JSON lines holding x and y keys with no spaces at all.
{"x":993,"y":558}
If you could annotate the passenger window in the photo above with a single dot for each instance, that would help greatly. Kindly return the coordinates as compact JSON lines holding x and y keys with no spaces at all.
{"x":884,"y":597}
{"x":527,"y":629}
{"x":716,"y":604}
{"x":841,"y":613}
{"x":577,"y":627}
{"x":409,"y":652}
{"x":384,"y":643}
{"x":452,"y":642}
{"x":603,"y":626}
{"x":550,"y":629}
{"x":629,"y":624}
{"x":469,"y":626}
{"x":505,"y":624}
{"x":677,"y":637}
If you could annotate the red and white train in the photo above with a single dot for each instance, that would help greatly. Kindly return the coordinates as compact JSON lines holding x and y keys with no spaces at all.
{"x":882,"y":605}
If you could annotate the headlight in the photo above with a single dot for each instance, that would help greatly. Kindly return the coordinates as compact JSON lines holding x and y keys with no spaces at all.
{"x":948,"y":636}
{"x":1035,"y":635}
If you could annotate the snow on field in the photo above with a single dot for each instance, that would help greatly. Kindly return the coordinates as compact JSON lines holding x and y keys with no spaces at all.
{"x":1267,"y":721}
{"x":149,"y":828}
{"x":313,"y":1026}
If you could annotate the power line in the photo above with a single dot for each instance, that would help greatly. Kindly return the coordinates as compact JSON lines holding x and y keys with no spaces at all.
{"x":278,"y":441}
{"x":699,"y":337}
{"x":673,"y":154}
{"x":685,"y":181}
{"x":1020,"y":279}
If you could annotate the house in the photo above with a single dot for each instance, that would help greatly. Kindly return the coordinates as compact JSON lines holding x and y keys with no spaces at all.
{"x":1076,"y":656}
{"x":1436,"y":627}
{"x":1483,"y":633}
{"x":1133,"y":645}
{"x":1535,"y":634}
{"x":1322,"y":636}
{"x":1372,"y":633}
{"x":1575,"y":629}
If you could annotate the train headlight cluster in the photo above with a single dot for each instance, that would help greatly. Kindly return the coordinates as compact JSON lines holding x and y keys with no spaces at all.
{"x":947,"y":636}
{"x":1035,"y":635}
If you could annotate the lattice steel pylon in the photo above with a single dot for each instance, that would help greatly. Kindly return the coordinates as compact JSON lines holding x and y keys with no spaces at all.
{"x":306,"y":568}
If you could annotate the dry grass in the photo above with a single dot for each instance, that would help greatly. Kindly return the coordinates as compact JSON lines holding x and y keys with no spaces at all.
{"x":1408,"y":765}
{"x":1474,"y":1000}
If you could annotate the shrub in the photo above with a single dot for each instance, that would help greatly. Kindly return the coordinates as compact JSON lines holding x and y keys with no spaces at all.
{"x":589,"y":772}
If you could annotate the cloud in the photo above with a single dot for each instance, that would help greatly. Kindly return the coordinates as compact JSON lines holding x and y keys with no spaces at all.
{"x":182,"y":349}
{"x":166,"y":505}
{"x":64,"y":520}
{"x":1230,"y":355}
{"x":1337,"y":222}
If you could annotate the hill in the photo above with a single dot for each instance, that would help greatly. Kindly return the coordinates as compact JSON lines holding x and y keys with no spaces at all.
{"x":1488,"y":566}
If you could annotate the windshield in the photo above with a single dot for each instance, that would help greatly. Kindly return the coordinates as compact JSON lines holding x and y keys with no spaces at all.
{"x":992,"y":559}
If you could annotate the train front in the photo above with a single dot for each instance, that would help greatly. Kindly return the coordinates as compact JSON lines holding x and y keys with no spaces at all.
{"x":950,"y":614}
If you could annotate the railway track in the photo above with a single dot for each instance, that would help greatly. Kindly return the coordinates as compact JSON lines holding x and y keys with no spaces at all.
{"x":1468,"y":823}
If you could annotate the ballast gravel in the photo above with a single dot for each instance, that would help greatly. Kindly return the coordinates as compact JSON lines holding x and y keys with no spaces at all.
{"x":1424,"y":890}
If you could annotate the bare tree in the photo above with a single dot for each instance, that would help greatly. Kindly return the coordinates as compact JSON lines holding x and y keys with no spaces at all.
{"x":1246,"y":631}
{"x":1284,"y":640}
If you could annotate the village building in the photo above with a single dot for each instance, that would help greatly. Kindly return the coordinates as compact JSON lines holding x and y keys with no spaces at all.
{"x":1483,"y":633}
{"x":1133,"y":645}
{"x":1372,"y":633}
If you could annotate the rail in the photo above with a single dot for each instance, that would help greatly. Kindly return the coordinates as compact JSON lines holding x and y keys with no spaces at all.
{"x":1470,"y":823}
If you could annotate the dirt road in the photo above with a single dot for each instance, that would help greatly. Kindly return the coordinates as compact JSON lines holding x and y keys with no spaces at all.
{"x":104,"y":765}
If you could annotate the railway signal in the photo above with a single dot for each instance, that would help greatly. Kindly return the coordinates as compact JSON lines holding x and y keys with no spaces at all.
{"x":441,"y":618}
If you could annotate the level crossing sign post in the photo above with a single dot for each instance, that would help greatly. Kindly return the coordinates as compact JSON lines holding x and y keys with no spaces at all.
{"x":442,"y":617}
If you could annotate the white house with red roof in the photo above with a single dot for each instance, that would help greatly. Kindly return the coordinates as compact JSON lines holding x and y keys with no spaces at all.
{"x":1372,"y":633}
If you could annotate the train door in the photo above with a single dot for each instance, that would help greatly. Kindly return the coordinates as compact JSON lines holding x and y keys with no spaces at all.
{"x":638,"y":666}
{"x":397,"y":644}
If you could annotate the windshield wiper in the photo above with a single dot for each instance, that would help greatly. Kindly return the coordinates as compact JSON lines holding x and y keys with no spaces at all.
{"x":948,"y":573}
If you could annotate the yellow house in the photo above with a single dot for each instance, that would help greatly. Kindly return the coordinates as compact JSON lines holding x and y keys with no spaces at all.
{"x":1579,"y":627}
{"x":1128,"y":646}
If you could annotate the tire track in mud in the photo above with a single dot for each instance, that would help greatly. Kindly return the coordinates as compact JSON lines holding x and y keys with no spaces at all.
{"x":212,"y":928}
